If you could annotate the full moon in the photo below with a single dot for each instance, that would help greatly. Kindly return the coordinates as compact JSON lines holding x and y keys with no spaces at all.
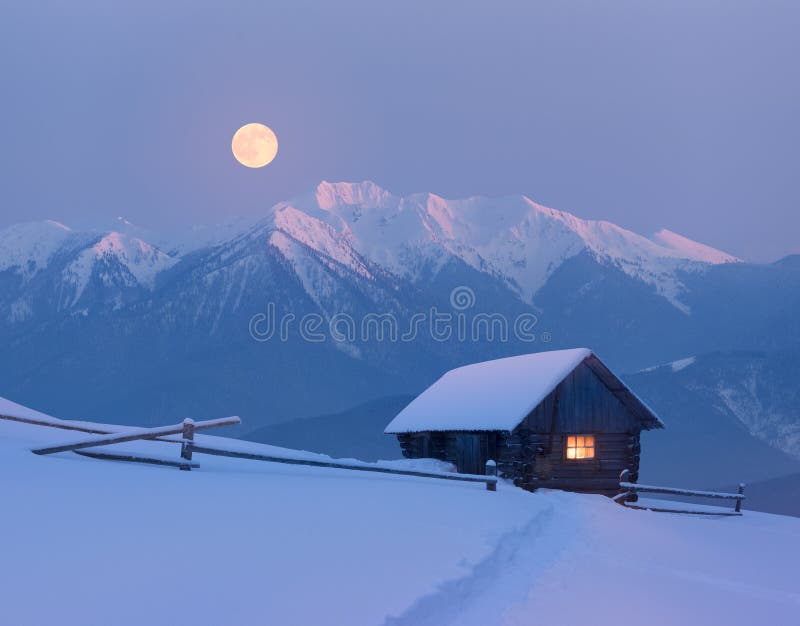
{"x":254,"y":145}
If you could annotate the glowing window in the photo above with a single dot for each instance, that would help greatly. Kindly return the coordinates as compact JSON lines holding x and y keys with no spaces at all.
{"x":580,"y":446}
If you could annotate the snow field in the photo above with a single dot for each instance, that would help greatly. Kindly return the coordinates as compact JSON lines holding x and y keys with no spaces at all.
{"x":95,"y":542}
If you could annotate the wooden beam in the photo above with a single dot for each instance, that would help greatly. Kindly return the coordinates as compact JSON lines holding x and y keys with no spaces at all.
{"x":63,"y":426}
{"x":657,"y":509}
{"x":360,"y":468}
{"x":135,"y":458}
{"x":139,"y":433}
{"x":94,"y":430}
{"x":680,"y":492}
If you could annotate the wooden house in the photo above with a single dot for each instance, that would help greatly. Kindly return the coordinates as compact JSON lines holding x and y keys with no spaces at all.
{"x":558,"y":419}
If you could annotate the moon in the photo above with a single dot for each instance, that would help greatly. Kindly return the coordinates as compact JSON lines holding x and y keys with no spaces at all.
{"x":254,"y":145}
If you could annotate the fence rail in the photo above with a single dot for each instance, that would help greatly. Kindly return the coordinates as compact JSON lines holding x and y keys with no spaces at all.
{"x":137,"y":458}
{"x":490,"y":480}
{"x":108,"y":436}
{"x":629,"y":491}
{"x":59,"y":424}
{"x":141,"y":433}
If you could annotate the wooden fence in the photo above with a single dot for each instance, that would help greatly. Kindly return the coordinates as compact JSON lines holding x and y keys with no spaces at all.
{"x":629,"y":491}
{"x":105,"y":436}
{"x":139,"y":433}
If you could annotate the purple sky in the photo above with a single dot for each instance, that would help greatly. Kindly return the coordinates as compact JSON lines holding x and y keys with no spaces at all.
{"x":675,"y":114}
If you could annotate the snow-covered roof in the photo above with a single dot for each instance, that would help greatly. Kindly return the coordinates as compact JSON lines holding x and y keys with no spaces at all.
{"x":499,"y":394}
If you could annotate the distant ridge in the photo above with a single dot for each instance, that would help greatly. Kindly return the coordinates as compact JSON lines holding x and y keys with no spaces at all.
{"x":359,"y":224}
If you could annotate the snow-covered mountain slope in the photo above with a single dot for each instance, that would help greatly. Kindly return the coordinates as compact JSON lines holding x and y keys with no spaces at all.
{"x":117,"y":260}
{"x":511,"y":238}
{"x":356,"y":225}
{"x":732,"y":417}
{"x":49,"y":268}
{"x":27,"y":248}
{"x":296,"y":545}
{"x":692,"y":249}
{"x":757,"y":390}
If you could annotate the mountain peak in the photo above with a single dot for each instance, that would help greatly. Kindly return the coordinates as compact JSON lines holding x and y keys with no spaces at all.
{"x":511,"y":237}
{"x":365,"y":194}
{"x":29,"y":246}
{"x":141,"y":261}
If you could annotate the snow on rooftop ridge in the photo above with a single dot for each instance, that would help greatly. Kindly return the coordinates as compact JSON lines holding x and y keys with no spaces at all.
{"x":492,"y":395}
{"x":692,"y":249}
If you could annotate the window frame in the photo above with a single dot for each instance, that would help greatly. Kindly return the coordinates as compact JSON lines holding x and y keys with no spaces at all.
{"x":586,"y":459}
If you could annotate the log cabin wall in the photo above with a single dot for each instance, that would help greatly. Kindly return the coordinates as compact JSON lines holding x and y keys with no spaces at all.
{"x":580,"y":405}
{"x":544,"y":464}
{"x":533,"y":460}
{"x":467,"y":450}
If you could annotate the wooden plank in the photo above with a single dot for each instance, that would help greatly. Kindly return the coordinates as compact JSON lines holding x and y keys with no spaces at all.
{"x":141,"y":433}
{"x":468,"y":453}
{"x":636,"y":487}
{"x":135,"y":458}
{"x":583,"y":403}
{"x":658,"y":509}
{"x":359,"y":468}
{"x":576,"y":484}
{"x":64,"y":426}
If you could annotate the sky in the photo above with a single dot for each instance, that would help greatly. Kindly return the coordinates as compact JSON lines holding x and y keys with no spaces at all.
{"x":679,"y":115}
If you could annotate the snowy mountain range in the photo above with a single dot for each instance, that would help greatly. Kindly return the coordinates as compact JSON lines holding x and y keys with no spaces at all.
{"x":366,"y":230}
{"x":115,"y":321}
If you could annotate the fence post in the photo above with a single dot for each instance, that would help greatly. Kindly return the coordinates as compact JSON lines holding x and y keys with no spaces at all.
{"x":491,"y":470}
{"x":739,"y":500}
{"x":188,"y":439}
{"x":624,"y":477}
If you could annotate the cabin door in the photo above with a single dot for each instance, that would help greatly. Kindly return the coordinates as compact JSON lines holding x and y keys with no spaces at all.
{"x":468,"y":454}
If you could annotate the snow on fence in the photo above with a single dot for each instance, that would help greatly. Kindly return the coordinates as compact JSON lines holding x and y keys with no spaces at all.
{"x":139,"y":433}
{"x":630,"y":490}
{"x":490,"y":479}
{"x":107,"y":436}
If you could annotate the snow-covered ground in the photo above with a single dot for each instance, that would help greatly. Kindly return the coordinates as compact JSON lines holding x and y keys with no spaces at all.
{"x":94,"y":542}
